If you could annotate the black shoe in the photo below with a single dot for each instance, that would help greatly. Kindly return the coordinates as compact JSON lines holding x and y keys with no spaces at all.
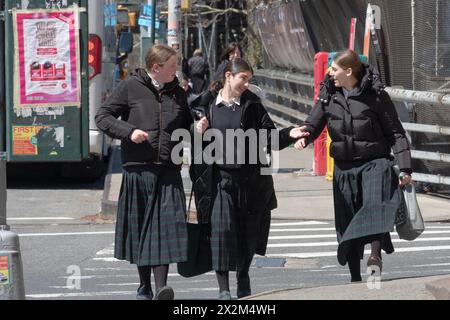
{"x":144,"y":293}
{"x":165,"y":293}
{"x":357,"y":279}
{"x":243,"y":288}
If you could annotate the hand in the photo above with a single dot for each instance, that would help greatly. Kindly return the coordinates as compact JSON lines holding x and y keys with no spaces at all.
{"x":202,"y":125}
{"x":139,"y":136}
{"x":301,"y":144}
{"x":406,"y":179}
{"x":298,"y":133}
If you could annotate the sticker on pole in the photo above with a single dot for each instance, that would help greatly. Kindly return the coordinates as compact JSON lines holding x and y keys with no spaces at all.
{"x":4,"y":270}
{"x":47,"y":63}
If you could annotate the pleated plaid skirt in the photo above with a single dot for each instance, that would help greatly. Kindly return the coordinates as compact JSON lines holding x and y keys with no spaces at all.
{"x":226,"y":221}
{"x":151,"y":217}
{"x":366,"y":199}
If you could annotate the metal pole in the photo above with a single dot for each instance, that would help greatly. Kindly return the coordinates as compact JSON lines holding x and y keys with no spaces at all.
{"x":227,"y":26}
{"x":2,"y":83}
{"x":413,"y":27}
{"x":11,"y":270}
{"x":173,"y":25}
{"x":186,"y":35}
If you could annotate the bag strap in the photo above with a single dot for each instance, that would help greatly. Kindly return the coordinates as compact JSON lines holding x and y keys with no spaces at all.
{"x":189,"y":207}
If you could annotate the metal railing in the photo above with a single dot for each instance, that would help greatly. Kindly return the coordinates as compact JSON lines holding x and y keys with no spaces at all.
{"x":289,"y":98}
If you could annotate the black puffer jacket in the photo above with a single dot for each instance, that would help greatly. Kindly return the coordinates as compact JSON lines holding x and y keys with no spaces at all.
{"x":141,"y":106}
{"x":258,"y":190}
{"x":363,"y":126}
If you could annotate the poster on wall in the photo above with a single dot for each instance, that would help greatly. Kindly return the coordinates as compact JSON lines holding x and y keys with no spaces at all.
{"x":47,"y":63}
{"x":37,"y":140}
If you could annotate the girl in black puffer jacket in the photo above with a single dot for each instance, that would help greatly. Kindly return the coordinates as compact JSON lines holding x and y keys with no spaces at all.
{"x":363,"y":125}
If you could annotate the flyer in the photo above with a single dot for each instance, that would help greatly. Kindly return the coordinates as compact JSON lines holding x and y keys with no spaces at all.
{"x":47,"y":63}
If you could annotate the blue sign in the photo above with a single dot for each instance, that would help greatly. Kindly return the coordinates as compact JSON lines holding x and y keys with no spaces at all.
{"x":110,"y":15}
{"x":145,"y":18}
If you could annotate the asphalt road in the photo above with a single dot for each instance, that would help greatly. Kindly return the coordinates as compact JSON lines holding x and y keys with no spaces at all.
{"x":68,"y":255}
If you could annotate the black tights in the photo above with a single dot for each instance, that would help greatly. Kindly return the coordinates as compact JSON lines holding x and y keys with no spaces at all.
{"x":224,"y":280}
{"x":160,"y":273}
{"x":354,"y":263}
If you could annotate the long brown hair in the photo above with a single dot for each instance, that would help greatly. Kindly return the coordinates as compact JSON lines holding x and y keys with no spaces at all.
{"x":349,"y":59}
{"x":228,"y":50}
{"x":235,"y":66}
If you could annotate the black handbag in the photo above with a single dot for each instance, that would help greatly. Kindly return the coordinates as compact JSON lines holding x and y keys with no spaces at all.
{"x":199,"y":252}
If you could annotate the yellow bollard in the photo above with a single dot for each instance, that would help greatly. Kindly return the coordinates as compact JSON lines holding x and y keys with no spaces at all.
{"x":330,"y":161}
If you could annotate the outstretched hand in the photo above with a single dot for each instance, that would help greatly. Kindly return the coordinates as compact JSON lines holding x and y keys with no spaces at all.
{"x":299,"y":132}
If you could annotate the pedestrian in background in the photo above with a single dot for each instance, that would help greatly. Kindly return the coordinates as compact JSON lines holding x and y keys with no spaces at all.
{"x":233,"y":51}
{"x":198,"y":72}
{"x":151,"y":219}
{"x":242,"y":198}
{"x":363,"y":125}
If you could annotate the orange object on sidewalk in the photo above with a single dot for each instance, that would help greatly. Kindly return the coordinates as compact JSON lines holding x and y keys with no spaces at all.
{"x":320,"y":145}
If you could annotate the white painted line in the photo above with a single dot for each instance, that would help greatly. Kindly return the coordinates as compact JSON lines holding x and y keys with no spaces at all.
{"x":333,"y":253}
{"x":311,"y":236}
{"x":24,"y":235}
{"x":80,"y":294}
{"x":332,"y":229}
{"x":106,"y":293}
{"x":429,"y":265}
{"x":305,"y":229}
{"x":107,"y":259}
{"x":323,"y":236}
{"x":106,"y":251}
{"x":335,"y":243}
{"x":305,"y":223}
{"x":39,"y":218}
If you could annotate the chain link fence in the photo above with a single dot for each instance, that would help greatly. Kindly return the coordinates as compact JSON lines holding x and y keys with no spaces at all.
{"x":415,"y":43}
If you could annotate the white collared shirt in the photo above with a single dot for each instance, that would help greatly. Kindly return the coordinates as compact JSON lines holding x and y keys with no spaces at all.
{"x":155,"y":83}
{"x":231,"y":103}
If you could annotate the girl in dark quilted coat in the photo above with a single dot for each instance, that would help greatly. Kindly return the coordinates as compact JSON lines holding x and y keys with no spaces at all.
{"x":364,"y":126}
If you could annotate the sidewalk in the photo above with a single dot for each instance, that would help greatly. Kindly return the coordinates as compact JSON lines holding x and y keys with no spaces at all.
{"x":303,"y":196}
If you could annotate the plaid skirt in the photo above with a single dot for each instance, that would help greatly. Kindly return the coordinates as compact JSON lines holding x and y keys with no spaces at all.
{"x":151,"y":217}
{"x":224,"y":220}
{"x":366,"y":199}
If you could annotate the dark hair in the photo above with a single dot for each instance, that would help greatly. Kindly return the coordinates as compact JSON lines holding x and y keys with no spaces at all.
{"x":231,"y":47}
{"x":158,"y":54}
{"x":235,"y":66}
{"x":349,"y":59}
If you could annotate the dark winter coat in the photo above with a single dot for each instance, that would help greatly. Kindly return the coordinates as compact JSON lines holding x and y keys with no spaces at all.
{"x":258,"y":193}
{"x":365,"y":125}
{"x":198,"y":73}
{"x":141,"y":106}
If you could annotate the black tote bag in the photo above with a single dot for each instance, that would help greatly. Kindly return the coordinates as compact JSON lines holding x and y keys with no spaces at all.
{"x":199,"y":252}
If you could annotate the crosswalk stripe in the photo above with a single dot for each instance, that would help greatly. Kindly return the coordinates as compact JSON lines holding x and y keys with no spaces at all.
{"x":333,"y":253}
{"x":302,"y":229}
{"x":304,"y":223}
{"x":334,"y":243}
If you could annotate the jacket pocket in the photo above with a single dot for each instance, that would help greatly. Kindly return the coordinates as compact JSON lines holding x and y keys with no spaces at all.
{"x":363,"y":130}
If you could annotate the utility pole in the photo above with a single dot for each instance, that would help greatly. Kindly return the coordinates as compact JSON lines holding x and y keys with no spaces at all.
{"x":173,"y":33}
{"x":173,"y":30}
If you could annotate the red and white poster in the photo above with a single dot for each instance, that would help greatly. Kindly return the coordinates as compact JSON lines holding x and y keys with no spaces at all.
{"x":47,"y":62}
